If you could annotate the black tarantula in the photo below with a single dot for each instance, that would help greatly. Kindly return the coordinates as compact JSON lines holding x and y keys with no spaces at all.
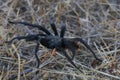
{"x":56,"y":41}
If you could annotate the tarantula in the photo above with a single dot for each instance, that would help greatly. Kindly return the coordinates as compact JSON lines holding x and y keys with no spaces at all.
{"x":56,"y":41}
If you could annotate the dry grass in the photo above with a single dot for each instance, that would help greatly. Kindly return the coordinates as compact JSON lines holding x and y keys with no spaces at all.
{"x":96,"y":21}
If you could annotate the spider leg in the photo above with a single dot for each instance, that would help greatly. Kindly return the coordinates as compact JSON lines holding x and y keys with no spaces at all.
{"x":27,"y":38}
{"x":33,"y":25}
{"x":62,"y":32}
{"x":73,"y":52}
{"x":36,"y":50}
{"x":87,"y":46}
{"x":71,"y":47}
{"x":54,"y":29}
{"x":70,"y":60}
{"x":21,"y":74}
{"x":30,"y":38}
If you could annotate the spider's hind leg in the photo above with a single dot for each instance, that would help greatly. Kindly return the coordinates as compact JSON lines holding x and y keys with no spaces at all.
{"x":27,"y":38}
{"x":36,"y":56}
{"x":32,"y":25}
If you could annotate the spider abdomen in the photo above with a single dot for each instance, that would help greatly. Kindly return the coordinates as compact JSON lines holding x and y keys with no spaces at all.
{"x":51,"y":42}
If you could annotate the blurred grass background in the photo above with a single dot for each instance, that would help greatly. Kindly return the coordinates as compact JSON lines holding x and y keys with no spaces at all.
{"x":96,"y":21}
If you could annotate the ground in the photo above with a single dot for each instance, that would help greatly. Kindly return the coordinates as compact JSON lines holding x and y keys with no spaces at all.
{"x":96,"y":21}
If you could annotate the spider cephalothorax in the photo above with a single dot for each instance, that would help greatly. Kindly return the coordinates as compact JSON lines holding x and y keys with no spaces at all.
{"x":51,"y":41}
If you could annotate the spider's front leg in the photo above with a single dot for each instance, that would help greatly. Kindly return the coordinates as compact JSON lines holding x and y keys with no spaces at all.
{"x":68,"y":44}
{"x":72,"y":49}
{"x":63,"y":29}
{"x":69,"y":59}
{"x":87,"y":46}
{"x":54,"y":29}
{"x":73,"y":52}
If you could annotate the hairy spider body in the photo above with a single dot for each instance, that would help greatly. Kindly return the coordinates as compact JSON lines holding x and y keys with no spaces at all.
{"x":51,"y":41}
